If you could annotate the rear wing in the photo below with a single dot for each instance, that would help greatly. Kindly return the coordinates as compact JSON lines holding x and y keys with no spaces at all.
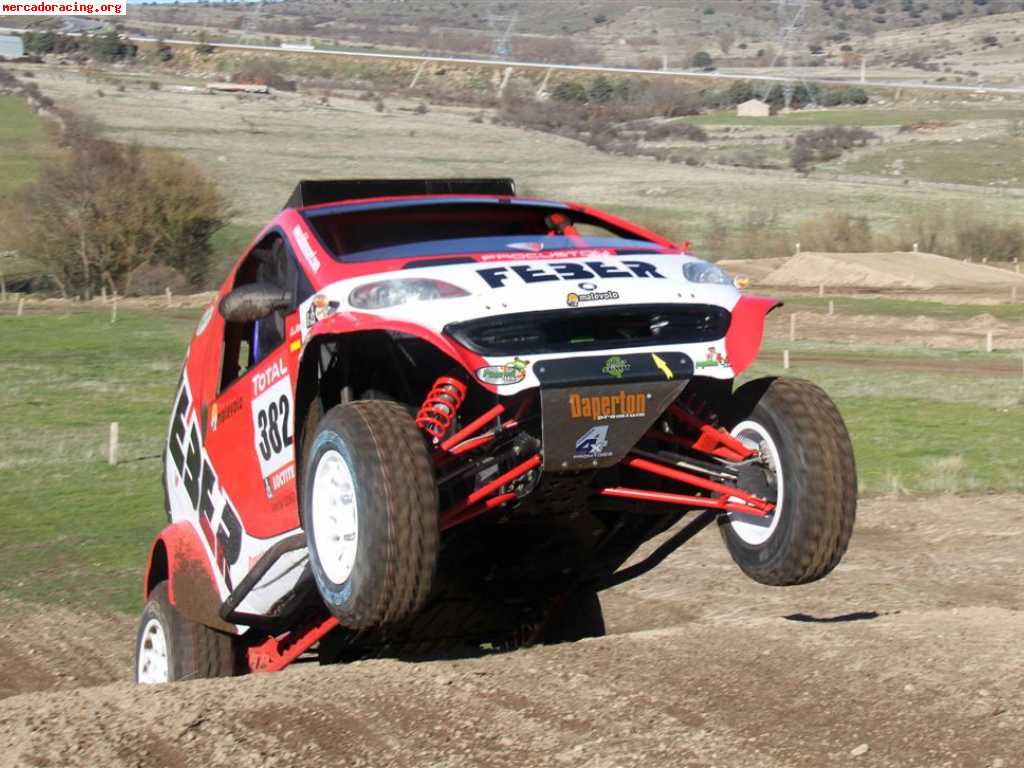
{"x":317,"y":191}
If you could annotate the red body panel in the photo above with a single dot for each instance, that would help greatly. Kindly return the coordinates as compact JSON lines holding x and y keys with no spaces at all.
{"x":743,"y":340}
{"x":191,"y":586}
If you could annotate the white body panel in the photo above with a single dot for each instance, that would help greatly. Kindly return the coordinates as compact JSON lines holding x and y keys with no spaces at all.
{"x":511,"y":284}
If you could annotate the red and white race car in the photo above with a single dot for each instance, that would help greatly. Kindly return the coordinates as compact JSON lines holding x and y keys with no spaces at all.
{"x":430,"y":412}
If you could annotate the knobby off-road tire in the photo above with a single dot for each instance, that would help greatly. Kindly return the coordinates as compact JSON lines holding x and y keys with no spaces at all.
{"x":170,"y":648}
{"x":370,"y":512}
{"x":811,"y":527}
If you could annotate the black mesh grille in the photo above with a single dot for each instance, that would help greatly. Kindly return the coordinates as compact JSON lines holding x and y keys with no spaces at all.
{"x":578,"y":330}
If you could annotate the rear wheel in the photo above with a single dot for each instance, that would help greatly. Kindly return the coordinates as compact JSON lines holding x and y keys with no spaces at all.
{"x":807,"y":469}
{"x":169,"y":647}
{"x":370,"y":512}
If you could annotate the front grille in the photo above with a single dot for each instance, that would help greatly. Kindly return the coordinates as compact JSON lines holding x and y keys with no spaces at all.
{"x":579,"y":330}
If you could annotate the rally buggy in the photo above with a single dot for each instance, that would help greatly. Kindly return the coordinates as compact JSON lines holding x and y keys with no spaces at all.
{"x":430,"y":413}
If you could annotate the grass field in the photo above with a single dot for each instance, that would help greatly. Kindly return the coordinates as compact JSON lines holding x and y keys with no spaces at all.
{"x":850,"y":305}
{"x":854,"y":116}
{"x":77,"y":530}
{"x":985,"y":161}
{"x":22,"y":139}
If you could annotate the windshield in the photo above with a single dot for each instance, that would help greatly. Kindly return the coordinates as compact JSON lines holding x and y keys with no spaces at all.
{"x":432,"y":228}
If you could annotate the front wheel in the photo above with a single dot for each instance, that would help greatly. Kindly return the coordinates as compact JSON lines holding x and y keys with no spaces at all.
{"x":170,"y":648}
{"x":370,"y":513}
{"x":807,"y":468}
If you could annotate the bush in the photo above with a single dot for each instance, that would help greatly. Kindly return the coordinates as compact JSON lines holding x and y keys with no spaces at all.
{"x":570,"y":92}
{"x":702,"y":60}
{"x":836,"y":232}
{"x":824,"y":144}
{"x":855,"y":95}
{"x":686,"y":131}
{"x":154,"y":279}
{"x":109,"y":47}
{"x":601,"y":91}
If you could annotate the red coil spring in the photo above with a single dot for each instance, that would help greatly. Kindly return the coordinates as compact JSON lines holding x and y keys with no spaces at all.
{"x":437,"y":414}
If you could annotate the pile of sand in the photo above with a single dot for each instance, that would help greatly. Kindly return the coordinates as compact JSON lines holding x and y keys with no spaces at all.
{"x":887,"y":271}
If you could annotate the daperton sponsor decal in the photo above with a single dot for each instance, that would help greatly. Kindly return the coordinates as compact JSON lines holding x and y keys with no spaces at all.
{"x":221,"y":413}
{"x":574,"y":253}
{"x":713,"y":359}
{"x":575,"y":299}
{"x":624,"y":405}
{"x":308,"y":253}
{"x":662,"y":366}
{"x":510,"y":373}
{"x":616,"y":367}
{"x":496,"y":277}
{"x":320,"y":307}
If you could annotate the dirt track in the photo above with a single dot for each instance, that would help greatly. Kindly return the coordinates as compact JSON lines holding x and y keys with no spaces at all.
{"x":911,"y":654}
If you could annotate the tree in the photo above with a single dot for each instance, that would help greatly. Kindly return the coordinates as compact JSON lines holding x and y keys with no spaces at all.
{"x":102,"y":209}
{"x":702,"y":59}
{"x":739,"y":91}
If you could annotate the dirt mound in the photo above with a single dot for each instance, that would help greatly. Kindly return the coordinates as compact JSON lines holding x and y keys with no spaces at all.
{"x":888,"y":271}
{"x":47,"y":648}
{"x":908,"y":654}
{"x":755,"y":269}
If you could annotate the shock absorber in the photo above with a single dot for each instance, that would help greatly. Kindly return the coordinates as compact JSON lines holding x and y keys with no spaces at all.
{"x":437,"y":414}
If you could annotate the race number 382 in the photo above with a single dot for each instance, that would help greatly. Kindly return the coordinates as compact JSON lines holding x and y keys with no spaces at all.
{"x":272,"y":426}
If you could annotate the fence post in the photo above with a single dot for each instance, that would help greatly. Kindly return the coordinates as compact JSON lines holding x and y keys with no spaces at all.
{"x":988,"y":341}
{"x":21,"y":306}
{"x":831,"y":307}
{"x":112,"y":448}
{"x":167,"y":292}
{"x":103,"y":293}
{"x":113,"y":311}
{"x":785,"y":359}
{"x":821,"y":289}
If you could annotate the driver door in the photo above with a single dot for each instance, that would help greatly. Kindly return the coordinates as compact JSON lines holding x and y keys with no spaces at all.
{"x":250,"y":433}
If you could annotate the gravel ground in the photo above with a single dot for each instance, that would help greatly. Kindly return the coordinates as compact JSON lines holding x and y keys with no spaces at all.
{"x":910,"y":654}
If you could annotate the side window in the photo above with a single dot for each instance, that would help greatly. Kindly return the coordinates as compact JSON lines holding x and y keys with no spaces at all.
{"x":246,"y":344}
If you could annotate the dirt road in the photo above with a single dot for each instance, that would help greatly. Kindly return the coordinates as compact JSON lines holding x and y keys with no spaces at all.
{"x":911,"y":654}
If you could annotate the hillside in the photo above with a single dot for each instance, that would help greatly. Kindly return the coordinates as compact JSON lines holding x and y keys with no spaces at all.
{"x":736,"y":32}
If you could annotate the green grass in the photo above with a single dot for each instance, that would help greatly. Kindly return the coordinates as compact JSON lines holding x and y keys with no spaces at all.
{"x":984,"y":162}
{"x":77,"y":531}
{"x":919,"y":431}
{"x":864,"y":116}
{"x":905,"y":308}
{"x":22,"y":139}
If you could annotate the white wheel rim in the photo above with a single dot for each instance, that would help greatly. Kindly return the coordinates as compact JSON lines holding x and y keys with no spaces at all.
{"x":335,"y":516}
{"x":753,"y":530}
{"x":153,"y":667}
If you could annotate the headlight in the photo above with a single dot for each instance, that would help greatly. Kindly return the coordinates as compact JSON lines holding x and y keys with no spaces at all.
{"x":703,"y":272}
{"x":390,"y":293}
